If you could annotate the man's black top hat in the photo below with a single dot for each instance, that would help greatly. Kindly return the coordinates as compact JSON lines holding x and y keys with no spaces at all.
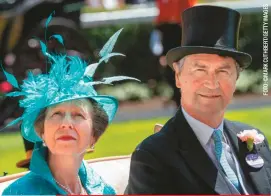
{"x":211,"y":30}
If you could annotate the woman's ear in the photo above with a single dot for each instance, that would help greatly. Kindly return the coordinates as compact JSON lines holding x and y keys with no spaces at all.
{"x":42,"y":136}
{"x":93,"y":140}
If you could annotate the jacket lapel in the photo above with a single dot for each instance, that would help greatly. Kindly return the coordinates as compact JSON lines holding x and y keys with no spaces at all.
{"x":254,"y":178}
{"x":196,"y":157}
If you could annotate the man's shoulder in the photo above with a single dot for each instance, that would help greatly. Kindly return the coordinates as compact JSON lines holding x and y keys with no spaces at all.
{"x":29,"y":184}
{"x":239,"y":126}
{"x":159,"y":140}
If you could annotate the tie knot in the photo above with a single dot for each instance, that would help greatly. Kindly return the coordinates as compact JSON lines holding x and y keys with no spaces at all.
{"x":217,"y":135}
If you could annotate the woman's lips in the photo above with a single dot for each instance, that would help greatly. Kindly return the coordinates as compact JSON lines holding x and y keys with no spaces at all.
{"x":66,"y":138}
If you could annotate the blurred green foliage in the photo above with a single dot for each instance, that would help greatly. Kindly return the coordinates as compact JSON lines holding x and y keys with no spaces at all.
{"x":142,"y":64}
{"x":128,"y":91}
{"x":122,"y":138}
{"x":251,"y":81}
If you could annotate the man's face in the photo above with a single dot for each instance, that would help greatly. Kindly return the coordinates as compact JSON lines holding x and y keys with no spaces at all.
{"x":207,"y":82}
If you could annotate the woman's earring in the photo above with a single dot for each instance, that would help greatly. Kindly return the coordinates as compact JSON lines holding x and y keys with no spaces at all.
{"x":92,"y":147}
{"x":43,"y":143}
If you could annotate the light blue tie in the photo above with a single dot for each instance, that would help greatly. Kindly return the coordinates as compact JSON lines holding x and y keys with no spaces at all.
{"x":221,"y":157}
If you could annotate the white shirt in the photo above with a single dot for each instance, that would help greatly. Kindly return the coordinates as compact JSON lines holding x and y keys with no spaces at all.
{"x":204,"y":134}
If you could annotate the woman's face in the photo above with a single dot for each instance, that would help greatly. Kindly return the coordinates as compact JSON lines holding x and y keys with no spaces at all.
{"x":68,"y":127}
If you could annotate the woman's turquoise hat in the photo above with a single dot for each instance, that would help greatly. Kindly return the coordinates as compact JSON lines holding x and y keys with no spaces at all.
{"x":69,"y":78}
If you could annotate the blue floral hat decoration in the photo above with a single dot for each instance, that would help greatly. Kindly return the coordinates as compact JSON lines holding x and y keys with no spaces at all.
{"x":69,"y":78}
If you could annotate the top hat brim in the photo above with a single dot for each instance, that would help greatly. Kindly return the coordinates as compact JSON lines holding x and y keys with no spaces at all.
{"x":175,"y":54}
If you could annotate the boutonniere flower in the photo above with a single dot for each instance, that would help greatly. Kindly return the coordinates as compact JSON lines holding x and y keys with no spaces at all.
{"x":251,"y":137}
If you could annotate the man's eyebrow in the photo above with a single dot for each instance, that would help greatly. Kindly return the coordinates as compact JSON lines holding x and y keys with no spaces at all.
{"x":225,"y":66}
{"x":199,"y":65}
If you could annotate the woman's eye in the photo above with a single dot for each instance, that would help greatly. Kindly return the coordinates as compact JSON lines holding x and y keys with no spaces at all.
{"x":56,"y":114}
{"x":78,"y":115}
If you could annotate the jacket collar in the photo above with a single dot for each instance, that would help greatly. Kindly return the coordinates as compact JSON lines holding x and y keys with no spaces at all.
{"x":193,"y":152}
{"x":257,"y":177}
{"x":39,"y":166}
{"x":201,"y":130}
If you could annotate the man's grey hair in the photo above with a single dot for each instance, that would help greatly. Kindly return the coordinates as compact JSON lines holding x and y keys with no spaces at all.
{"x":238,"y":68}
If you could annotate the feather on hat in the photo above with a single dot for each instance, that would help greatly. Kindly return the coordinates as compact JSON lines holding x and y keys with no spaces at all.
{"x":69,"y":78}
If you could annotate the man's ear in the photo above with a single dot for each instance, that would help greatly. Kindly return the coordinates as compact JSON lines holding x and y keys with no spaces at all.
{"x":175,"y":67}
{"x":177,"y":75}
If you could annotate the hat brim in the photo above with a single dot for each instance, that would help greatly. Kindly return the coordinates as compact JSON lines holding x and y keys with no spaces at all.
{"x":175,"y":54}
{"x":108,"y":103}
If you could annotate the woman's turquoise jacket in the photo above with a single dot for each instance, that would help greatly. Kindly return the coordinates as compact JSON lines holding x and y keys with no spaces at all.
{"x":40,"y":181}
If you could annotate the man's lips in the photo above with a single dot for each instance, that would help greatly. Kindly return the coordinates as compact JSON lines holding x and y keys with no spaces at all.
{"x":66,"y":138}
{"x":209,"y":96}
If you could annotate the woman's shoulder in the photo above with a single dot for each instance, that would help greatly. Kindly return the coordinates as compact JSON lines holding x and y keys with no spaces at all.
{"x":29,"y":184}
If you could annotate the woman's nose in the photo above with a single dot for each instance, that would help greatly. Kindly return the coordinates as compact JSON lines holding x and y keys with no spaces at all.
{"x":67,"y":122}
{"x":63,"y":126}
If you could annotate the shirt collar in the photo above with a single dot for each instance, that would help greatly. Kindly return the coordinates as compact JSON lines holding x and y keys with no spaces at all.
{"x":202,"y":131}
{"x":39,"y":165}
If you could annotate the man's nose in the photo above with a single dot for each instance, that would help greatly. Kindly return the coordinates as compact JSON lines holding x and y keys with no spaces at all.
{"x":211,"y":82}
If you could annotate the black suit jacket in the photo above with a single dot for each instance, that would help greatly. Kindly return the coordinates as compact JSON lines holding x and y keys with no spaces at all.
{"x":173,"y":161}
